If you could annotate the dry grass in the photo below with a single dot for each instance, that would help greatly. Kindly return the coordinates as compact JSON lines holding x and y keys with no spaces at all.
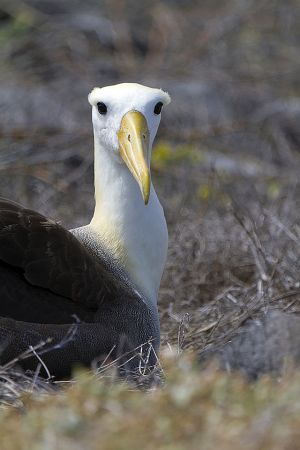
{"x":191,"y":411}
{"x":231,"y":264}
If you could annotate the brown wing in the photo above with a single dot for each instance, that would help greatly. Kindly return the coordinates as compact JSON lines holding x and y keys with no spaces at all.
{"x":44,"y":255}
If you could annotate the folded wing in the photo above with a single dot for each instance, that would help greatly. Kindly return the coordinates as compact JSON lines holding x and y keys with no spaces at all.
{"x":46,"y":274}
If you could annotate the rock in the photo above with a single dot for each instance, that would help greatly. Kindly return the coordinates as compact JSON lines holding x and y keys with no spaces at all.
{"x":261,"y":346}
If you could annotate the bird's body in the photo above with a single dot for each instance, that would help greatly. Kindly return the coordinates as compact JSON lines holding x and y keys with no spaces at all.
{"x":92,"y":290}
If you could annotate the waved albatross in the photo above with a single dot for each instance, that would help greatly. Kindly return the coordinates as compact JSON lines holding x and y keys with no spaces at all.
{"x":106,"y":274}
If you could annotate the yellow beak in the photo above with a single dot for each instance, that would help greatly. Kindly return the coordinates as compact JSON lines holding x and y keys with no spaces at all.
{"x":134,"y":146}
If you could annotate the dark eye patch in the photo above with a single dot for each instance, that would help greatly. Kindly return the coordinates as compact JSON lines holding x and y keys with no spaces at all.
{"x":158,"y":108}
{"x":102,"y":108}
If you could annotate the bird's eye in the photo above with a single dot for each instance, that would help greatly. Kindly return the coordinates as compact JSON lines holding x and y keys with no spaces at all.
{"x":102,"y":108}
{"x":158,"y":107}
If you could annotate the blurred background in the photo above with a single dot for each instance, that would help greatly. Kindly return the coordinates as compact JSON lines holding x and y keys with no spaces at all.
{"x":226,"y":161}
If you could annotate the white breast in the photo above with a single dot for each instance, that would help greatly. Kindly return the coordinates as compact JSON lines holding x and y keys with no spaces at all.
{"x":146,"y":241}
{"x":135,"y":235}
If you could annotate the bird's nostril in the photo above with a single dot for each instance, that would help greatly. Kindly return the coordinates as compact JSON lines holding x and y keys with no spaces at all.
{"x":144,"y":137}
{"x":128,"y":137}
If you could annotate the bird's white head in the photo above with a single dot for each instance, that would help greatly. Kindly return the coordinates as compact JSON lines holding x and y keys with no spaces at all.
{"x":125,"y":120}
{"x":126,"y":117}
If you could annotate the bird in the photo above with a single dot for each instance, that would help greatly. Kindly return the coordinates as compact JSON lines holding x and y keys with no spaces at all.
{"x":90,"y":293}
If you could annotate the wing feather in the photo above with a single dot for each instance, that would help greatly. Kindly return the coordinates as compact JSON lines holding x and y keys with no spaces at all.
{"x":50,"y":257}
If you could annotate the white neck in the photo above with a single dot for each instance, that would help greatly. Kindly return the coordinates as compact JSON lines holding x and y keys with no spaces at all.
{"x":136,"y":235}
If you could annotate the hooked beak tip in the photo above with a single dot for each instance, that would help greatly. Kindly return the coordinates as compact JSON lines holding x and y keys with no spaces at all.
{"x":145,"y":187}
{"x":146,"y":199}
